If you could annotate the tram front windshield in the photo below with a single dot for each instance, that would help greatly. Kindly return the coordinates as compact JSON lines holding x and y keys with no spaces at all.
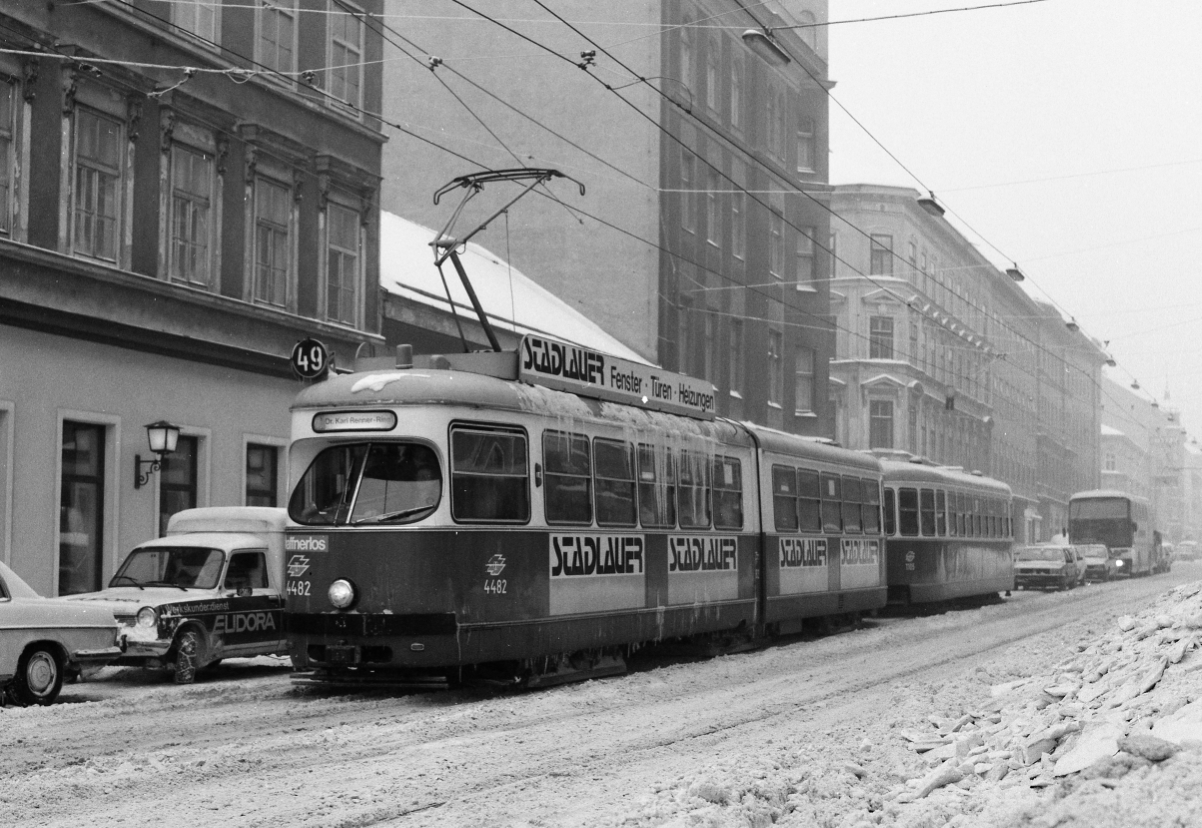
{"x":365,"y":483}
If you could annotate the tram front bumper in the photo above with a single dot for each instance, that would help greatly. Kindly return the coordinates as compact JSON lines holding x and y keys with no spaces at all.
{"x":372,"y":640}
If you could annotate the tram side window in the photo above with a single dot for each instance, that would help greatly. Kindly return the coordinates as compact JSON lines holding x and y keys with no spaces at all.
{"x":926,"y":502}
{"x":694,"y":490}
{"x":872,"y":505}
{"x":961,"y":529}
{"x":489,"y":476}
{"x":941,"y":513}
{"x":569,"y":480}
{"x":832,"y":503}
{"x":851,"y":504}
{"x":975,"y":528}
{"x":613,"y":465}
{"x":890,"y":512}
{"x":907,"y":511}
{"x":784,"y":498}
{"x":809,"y":501}
{"x":657,"y":487}
{"x":728,"y":493}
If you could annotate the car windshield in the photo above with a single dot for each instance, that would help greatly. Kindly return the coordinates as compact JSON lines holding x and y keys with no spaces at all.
{"x":186,"y":567}
{"x":1042,"y":553}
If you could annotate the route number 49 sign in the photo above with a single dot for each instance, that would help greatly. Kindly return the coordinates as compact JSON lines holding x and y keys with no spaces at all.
{"x":310,"y":359}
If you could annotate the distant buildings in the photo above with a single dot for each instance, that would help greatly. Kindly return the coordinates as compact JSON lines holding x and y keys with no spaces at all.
{"x":166,"y":237}
{"x":701,"y":240}
{"x":943,"y":356}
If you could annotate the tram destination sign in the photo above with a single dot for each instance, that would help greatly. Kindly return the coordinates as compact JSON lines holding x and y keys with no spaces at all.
{"x":589,"y":373}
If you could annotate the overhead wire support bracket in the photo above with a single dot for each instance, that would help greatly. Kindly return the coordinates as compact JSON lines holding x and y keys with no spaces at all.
{"x":446,"y":246}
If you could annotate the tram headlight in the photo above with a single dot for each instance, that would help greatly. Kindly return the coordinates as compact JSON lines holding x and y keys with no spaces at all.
{"x":1118,"y":564}
{"x":147,"y":617}
{"x":341,"y":593}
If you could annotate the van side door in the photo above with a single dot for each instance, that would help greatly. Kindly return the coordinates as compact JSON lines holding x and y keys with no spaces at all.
{"x":254,"y":624}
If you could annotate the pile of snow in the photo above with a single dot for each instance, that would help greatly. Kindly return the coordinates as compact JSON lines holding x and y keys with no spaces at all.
{"x":1111,"y":736}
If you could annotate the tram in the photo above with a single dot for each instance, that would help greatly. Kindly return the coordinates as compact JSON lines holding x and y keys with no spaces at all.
{"x":535,"y":516}
{"x":949,"y":533}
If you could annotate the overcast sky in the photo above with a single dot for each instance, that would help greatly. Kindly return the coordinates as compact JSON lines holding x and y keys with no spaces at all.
{"x":1068,"y":135}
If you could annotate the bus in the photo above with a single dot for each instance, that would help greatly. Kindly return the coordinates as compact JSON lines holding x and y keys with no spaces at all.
{"x":1121,"y":521}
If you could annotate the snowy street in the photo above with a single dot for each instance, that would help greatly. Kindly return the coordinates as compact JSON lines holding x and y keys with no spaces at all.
{"x":815,"y":731}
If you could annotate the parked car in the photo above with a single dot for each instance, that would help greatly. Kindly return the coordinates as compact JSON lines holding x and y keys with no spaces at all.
{"x":1048,"y":566}
{"x":46,"y":640}
{"x":1099,"y":566}
{"x":211,"y":589}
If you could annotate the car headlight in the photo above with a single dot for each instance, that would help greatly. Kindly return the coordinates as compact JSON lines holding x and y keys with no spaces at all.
{"x":1118,"y":563}
{"x":341,"y":593}
{"x":147,"y":617}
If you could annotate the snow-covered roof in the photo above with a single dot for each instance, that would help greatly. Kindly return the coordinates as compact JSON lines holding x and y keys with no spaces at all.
{"x":512,"y":300}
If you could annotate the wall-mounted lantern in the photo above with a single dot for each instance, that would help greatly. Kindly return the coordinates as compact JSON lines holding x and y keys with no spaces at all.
{"x":1015,"y":274}
{"x":162,"y":437}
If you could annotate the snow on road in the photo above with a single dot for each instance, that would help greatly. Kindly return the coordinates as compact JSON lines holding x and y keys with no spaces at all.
{"x":1048,"y":709}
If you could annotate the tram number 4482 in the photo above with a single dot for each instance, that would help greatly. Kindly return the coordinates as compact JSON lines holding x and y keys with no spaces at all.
{"x":495,"y":586}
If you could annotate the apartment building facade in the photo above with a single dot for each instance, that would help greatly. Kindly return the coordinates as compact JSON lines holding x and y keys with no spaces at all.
{"x":942,"y":355}
{"x":701,"y":239}
{"x":187,"y":190}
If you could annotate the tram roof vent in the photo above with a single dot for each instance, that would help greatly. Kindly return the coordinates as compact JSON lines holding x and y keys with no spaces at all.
{"x":500,"y":364}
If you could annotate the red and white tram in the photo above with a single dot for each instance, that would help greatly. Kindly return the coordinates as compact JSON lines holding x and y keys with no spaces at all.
{"x":537,"y":515}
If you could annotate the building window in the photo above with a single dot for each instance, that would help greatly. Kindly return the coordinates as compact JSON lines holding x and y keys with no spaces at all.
{"x":190,"y":255}
{"x":713,"y":221}
{"x":805,"y":144}
{"x":81,"y":509}
{"x":262,"y":475}
{"x":806,"y":274}
{"x":775,"y":123}
{"x":775,"y":363}
{"x":178,"y":480}
{"x":272,"y":240}
{"x":686,"y":54}
{"x":688,"y":218}
{"x":8,"y":159}
{"x":880,"y":337}
{"x":97,"y":185}
{"x":684,"y":336}
{"x":1111,"y":461}
{"x":736,"y":356}
{"x":803,"y":393}
{"x":808,"y":29}
{"x":198,"y":17}
{"x":711,"y":347}
{"x":880,"y":424}
{"x":881,"y":261}
{"x":776,"y":245}
{"x":277,"y":34}
{"x":738,"y":225}
{"x":736,"y":92}
{"x":343,"y":274}
{"x":346,"y":55}
{"x":712,"y":87}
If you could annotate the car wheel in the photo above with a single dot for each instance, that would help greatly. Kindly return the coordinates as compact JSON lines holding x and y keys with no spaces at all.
{"x":39,"y":677}
{"x":189,"y":651}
